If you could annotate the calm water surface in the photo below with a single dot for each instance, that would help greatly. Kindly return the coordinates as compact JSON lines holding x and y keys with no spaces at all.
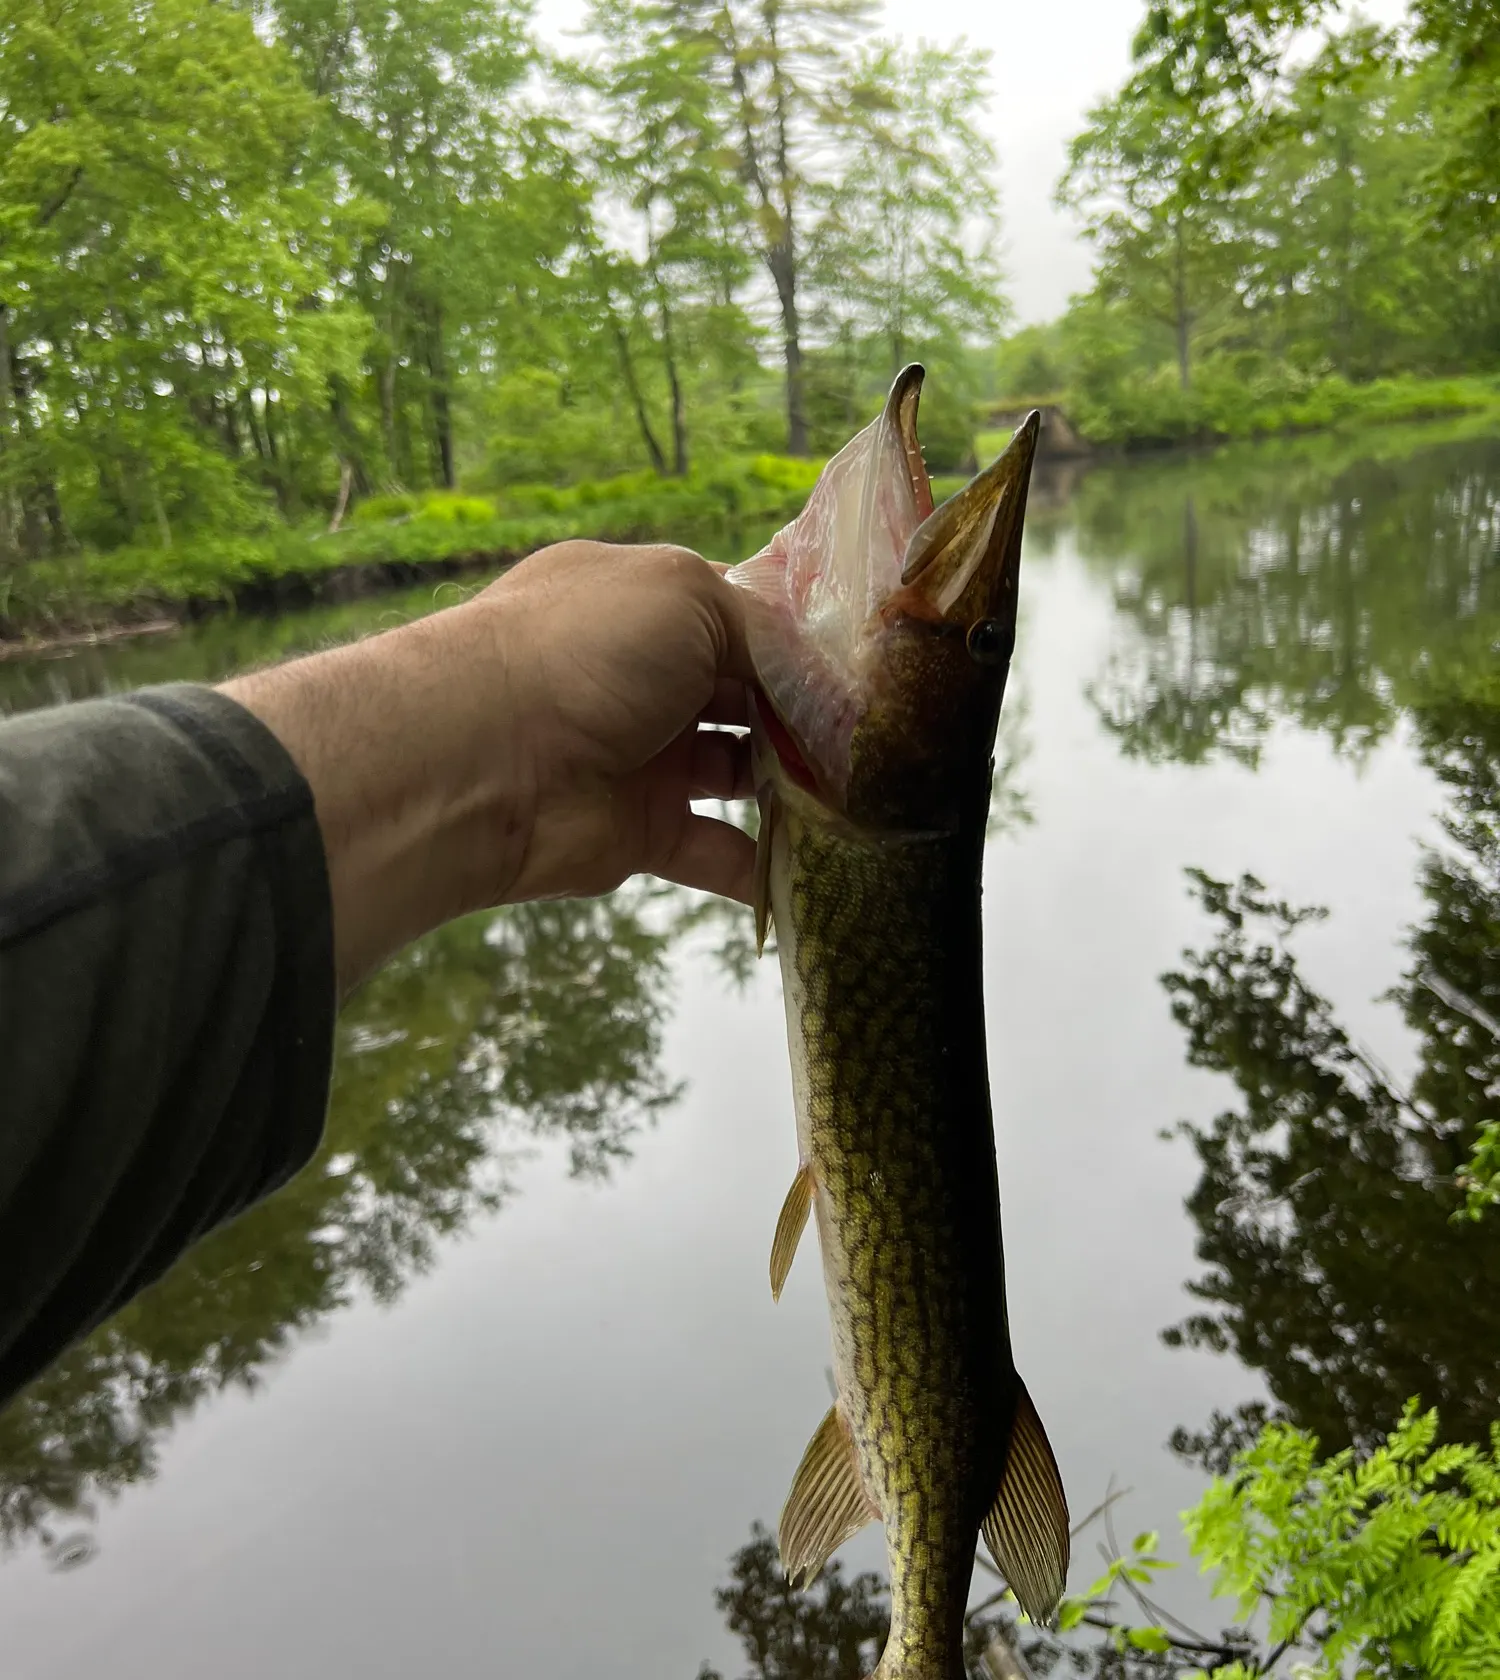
{"x":497,"y":1387}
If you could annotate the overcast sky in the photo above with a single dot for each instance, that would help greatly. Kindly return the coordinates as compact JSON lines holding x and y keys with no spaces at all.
{"x":1050,"y":60}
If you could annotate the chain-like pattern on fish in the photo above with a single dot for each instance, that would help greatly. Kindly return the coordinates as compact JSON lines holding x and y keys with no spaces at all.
{"x":886,"y":956}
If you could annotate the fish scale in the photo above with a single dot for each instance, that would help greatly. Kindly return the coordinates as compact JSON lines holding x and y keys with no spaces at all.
{"x":877,"y":941}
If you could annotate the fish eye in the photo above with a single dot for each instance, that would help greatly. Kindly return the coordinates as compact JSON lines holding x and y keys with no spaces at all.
{"x":991,"y":642}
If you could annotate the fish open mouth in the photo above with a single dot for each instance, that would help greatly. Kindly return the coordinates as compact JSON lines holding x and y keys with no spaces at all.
{"x":869,"y":542}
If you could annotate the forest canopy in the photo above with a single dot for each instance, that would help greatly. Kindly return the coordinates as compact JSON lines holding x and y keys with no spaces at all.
{"x":264,"y":262}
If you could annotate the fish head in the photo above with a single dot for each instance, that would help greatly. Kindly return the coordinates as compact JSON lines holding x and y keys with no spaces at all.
{"x":881,"y":630}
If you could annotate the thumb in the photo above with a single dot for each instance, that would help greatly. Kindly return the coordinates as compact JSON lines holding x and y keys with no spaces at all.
{"x":728,"y":606}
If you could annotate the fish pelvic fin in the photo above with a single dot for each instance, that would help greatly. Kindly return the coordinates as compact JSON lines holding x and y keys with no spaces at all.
{"x":828,"y":1503}
{"x":1026,"y":1530}
{"x":789,"y":1228}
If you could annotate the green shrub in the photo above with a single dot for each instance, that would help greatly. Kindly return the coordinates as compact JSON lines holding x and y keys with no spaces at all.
{"x":1246,"y":396}
{"x":395,"y":505}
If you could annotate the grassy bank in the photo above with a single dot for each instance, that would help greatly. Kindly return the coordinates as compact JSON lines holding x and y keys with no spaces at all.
{"x":389,"y":541}
{"x":1145,"y":411}
{"x":393,"y":539}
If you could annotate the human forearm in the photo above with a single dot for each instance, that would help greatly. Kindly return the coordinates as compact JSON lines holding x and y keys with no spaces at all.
{"x":417,"y":760}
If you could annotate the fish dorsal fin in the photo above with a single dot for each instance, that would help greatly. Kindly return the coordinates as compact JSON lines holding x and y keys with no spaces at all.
{"x":763,"y":843}
{"x":1027,"y":1526}
{"x":827,"y":1504}
{"x":789,"y":1228}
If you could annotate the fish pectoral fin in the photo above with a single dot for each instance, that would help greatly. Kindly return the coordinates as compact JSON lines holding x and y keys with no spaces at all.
{"x":827,"y":1504}
{"x":762,"y":881}
{"x":789,"y":1228}
{"x":1026,"y":1530}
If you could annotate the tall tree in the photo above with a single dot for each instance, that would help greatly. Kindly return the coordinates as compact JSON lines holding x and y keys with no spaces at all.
{"x":1246,"y":45}
{"x":774,"y":64}
{"x":904,"y":247}
{"x":663,"y":153}
{"x":166,"y":270}
{"x":472,"y":199}
{"x":1340,"y":262}
{"x":1149,"y":175}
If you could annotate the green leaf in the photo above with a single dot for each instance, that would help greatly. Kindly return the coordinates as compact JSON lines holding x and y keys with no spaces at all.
{"x":1149,"y":1639}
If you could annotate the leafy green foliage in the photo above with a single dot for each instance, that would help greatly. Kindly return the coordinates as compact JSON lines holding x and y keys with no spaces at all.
{"x":1390,"y":1561}
{"x":1480,"y":1179}
{"x":1283,"y":228}
{"x":166,"y":262}
{"x":261,"y":263}
{"x":404,"y":532}
{"x":1383,"y":1563}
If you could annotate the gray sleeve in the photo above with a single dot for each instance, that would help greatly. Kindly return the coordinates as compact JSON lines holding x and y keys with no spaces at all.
{"x":166,"y":997}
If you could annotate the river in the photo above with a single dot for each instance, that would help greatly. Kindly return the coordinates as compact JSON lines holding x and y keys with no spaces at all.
{"x":497,"y":1387}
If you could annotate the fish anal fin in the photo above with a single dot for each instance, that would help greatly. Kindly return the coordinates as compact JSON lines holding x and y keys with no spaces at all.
{"x":827,"y":1504}
{"x":762,"y":879}
{"x":1026,"y":1530}
{"x":789,"y":1228}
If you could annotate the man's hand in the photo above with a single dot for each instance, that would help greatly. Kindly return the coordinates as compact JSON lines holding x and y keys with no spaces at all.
{"x":624,"y":653}
{"x":541,"y":740}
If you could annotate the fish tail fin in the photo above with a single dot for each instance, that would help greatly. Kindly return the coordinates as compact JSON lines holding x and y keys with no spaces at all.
{"x":1026,"y":1530}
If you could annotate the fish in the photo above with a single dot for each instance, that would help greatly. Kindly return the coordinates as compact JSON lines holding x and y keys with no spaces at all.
{"x":881,"y":630}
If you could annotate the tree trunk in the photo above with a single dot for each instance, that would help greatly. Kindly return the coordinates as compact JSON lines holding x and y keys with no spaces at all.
{"x":274,"y":455}
{"x":251,"y":421}
{"x":783,"y":265}
{"x":158,"y":507}
{"x":780,"y":253}
{"x":442,"y":416}
{"x":632,"y":384}
{"x":349,"y":451}
{"x":1343,"y":323}
{"x":679,"y":419}
{"x":346,"y":478}
{"x":7,"y":521}
{"x":231,"y":428}
{"x":1182,"y":322}
{"x":388,"y":416}
{"x":674,"y":383}
{"x":388,"y":426}
{"x":32,"y":497}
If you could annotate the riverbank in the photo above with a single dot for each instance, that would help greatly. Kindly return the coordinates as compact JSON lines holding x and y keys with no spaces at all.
{"x":1148,"y":412}
{"x":390,"y":542}
{"x":404,"y":541}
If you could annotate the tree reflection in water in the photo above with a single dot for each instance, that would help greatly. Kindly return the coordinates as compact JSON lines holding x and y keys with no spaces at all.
{"x":836,"y":1628}
{"x":1326,"y":1202}
{"x":1323,"y":584}
{"x":1349,"y":587}
{"x":833,"y":1630}
{"x":542,"y":1020}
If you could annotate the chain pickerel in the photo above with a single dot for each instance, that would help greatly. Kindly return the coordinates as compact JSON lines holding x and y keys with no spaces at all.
{"x":881,"y":630}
